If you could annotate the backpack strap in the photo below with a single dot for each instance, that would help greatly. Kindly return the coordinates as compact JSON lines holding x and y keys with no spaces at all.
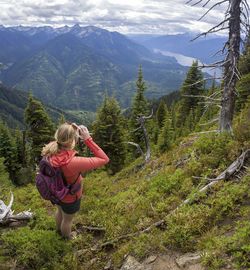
{"x":65,"y":181}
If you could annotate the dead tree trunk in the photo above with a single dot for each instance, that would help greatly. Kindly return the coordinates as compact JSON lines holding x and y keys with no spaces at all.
{"x":231,"y":74}
{"x":141,"y":120}
{"x":236,"y":21}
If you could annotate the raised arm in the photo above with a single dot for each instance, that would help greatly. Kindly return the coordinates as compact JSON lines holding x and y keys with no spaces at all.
{"x":89,"y":163}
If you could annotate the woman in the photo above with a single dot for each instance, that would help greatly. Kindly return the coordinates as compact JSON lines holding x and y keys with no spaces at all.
{"x":61,"y":154}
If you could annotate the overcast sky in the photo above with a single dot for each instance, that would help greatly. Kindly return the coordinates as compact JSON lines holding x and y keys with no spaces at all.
{"x":125,"y":16}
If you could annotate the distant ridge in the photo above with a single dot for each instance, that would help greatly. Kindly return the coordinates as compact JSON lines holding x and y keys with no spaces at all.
{"x":202,"y":48}
{"x":71,"y":67}
{"x":13,"y":103}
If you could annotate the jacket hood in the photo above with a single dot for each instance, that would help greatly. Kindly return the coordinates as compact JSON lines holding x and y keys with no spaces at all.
{"x":62,"y":158}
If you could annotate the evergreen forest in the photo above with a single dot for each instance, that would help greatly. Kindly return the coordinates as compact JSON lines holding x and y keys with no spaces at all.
{"x":175,"y":194}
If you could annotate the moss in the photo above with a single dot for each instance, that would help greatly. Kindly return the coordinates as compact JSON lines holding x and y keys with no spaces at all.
{"x":35,"y":249}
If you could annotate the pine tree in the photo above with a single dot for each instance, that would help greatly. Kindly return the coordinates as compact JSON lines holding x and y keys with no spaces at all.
{"x":166,"y":135}
{"x":61,"y":120}
{"x":244,"y":83}
{"x":161,"y":113}
{"x":20,"y":146}
{"x":191,"y":87}
{"x":4,"y":176}
{"x":108,"y":132}
{"x":173,"y":118}
{"x":139,"y":107}
{"x":40,"y":128}
{"x":8,"y":150}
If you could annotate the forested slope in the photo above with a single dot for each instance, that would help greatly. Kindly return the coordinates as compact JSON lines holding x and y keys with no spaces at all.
{"x":216,"y":223}
{"x":135,"y":205}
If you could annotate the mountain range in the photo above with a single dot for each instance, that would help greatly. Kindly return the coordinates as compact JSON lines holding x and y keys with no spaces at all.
{"x":72,"y":67}
{"x":204,"y":48}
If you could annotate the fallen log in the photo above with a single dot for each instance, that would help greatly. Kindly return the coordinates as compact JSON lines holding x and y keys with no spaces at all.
{"x":235,"y":167}
{"x":225,"y":175}
{"x":7,"y":215}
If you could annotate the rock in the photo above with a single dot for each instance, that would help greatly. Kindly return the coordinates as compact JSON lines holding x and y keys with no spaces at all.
{"x":94,"y":260}
{"x":165,"y":262}
{"x":131,"y":264}
{"x":150,"y":259}
{"x":81,"y":252}
{"x":195,"y":267}
{"x":188,"y":259}
{"x":108,"y":265}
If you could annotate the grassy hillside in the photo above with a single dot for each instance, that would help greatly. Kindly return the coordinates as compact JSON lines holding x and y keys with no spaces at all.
{"x":215,"y":224}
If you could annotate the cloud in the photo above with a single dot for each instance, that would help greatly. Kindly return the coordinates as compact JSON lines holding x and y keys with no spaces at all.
{"x":133,"y":16}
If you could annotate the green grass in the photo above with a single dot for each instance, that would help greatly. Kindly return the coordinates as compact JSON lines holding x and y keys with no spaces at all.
{"x":217,"y":223}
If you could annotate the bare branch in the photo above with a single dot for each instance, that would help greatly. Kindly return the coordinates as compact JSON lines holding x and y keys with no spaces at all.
{"x":6,"y":214}
{"x":147,"y":117}
{"x":205,"y":178}
{"x":246,"y":6}
{"x":216,"y":64}
{"x":206,"y":3}
{"x":210,"y":122}
{"x":5,"y":210}
{"x":209,"y":32}
{"x":188,"y":2}
{"x":200,"y":96}
{"x":137,"y":146}
{"x":205,"y":132}
{"x":203,"y":80}
{"x":219,"y":3}
{"x":196,"y":3}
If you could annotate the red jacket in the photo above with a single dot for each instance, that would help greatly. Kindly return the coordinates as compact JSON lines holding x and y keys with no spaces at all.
{"x":72,"y":165}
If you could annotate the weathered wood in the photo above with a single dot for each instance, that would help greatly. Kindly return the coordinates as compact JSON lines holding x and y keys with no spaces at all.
{"x":236,"y":166}
{"x":236,"y":20}
{"x":141,"y":120}
{"x":4,"y":209}
{"x":233,"y":168}
{"x":7,"y":216}
{"x":137,"y":147}
{"x":231,"y":74}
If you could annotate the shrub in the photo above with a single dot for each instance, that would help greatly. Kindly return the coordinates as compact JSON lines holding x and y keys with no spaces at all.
{"x":240,"y":247}
{"x":185,"y":226}
{"x":35,"y":249}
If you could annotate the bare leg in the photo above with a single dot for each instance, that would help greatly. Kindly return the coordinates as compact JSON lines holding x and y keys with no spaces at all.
{"x":58,"y":217}
{"x":66,"y":224}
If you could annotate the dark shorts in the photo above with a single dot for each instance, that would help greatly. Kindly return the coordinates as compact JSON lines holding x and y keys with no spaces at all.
{"x":70,"y":208}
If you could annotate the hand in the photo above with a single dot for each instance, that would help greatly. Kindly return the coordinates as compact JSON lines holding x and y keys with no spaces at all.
{"x":83,"y":132}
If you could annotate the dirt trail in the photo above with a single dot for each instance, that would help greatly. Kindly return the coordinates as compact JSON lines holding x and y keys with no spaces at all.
{"x":189,"y":261}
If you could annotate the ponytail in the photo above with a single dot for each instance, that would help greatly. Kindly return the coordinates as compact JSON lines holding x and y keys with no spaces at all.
{"x":65,"y":136}
{"x":50,"y":149}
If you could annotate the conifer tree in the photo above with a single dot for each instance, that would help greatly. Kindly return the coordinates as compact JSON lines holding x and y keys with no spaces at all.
{"x":139,"y":107}
{"x":20,"y":146}
{"x":61,"y":120}
{"x":173,"y":117}
{"x":244,"y":83}
{"x":8,"y":151}
{"x":161,"y":113}
{"x":40,"y":128}
{"x":108,"y":132}
{"x":166,"y":134}
{"x":191,"y":87}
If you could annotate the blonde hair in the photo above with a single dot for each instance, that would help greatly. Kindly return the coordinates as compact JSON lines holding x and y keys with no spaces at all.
{"x":65,"y":136}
